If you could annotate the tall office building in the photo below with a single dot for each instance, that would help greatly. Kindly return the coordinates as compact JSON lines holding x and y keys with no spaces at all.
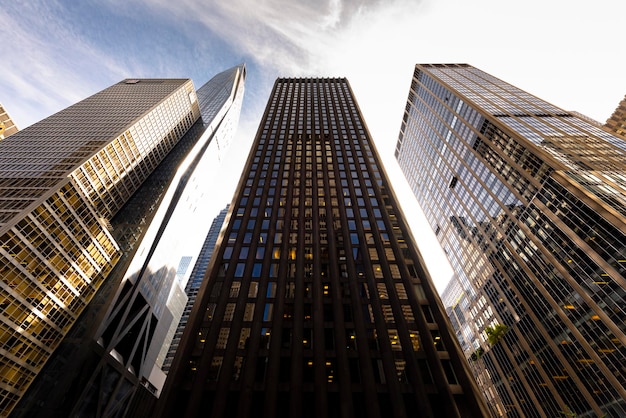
{"x":195,"y":281}
{"x":617,"y":122}
{"x":62,"y":180}
{"x":529,"y":203}
{"x":7,"y":126}
{"x":83,"y":191}
{"x":316,"y":301}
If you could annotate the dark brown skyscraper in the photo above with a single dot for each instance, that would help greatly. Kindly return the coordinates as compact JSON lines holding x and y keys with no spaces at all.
{"x":316,"y":302}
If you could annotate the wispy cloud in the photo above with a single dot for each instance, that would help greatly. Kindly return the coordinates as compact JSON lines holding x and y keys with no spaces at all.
{"x":284,"y":36}
{"x":375,"y":43}
{"x":54,"y":68}
{"x":357,"y":39}
{"x":65,"y":50}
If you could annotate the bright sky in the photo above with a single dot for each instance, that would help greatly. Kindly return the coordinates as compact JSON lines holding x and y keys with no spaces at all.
{"x":567,"y":52}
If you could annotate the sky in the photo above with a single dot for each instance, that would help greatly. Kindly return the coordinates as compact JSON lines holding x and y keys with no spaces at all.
{"x":57,"y":52}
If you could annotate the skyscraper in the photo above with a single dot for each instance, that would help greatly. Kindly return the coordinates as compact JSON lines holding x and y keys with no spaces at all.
{"x":86,"y":189}
{"x":528,"y":202}
{"x":316,"y":301}
{"x":62,"y":181}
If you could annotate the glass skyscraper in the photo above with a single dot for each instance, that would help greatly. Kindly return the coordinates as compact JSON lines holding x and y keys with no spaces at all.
{"x":316,"y":302}
{"x":529,"y":203}
{"x":62,"y":181}
{"x":85,"y":194}
{"x":195,"y":281}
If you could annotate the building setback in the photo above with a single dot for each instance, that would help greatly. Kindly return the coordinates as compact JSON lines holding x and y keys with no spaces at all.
{"x":82,"y":191}
{"x":316,"y":302}
{"x":617,"y":122}
{"x":529,"y":203}
{"x":7,"y":126}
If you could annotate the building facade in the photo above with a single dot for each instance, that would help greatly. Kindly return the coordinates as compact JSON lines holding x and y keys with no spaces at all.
{"x":316,"y":302}
{"x":529,"y":203}
{"x":84,"y":191}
